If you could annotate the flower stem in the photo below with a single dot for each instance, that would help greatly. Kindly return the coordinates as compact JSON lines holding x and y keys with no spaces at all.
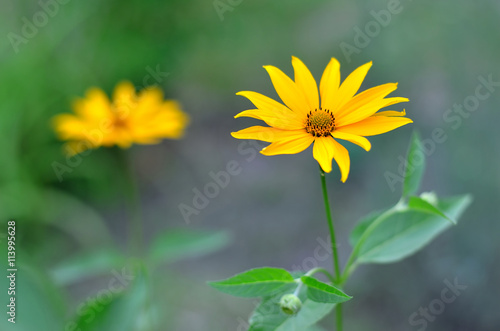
{"x":135,"y":231}
{"x":338,"y":307}
{"x":134,"y":207}
{"x":338,"y":316}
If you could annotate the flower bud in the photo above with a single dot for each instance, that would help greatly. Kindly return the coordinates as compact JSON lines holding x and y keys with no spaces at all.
{"x":290,"y":304}
{"x":430,"y":197}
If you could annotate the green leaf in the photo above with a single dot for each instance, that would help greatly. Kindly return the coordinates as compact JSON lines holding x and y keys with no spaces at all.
{"x":120,"y":311}
{"x":315,"y":328}
{"x":269,"y":317}
{"x":321,"y":292}
{"x":88,"y":264}
{"x":179,"y":244}
{"x":415,"y":166}
{"x":74,"y":217}
{"x":35,"y":295}
{"x":361,"y":226}
{"x":417,"y":203}
{"x":405,"y":231}
{"x":256,"y":282}
{"x":25,"y":201}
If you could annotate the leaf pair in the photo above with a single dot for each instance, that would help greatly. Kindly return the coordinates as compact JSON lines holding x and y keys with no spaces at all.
{"x":318,"y":298}
{"x":394,"y":234}
{"x":268,"y":281}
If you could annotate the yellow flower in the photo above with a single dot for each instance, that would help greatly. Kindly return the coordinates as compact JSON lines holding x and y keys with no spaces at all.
{"x":131,"y":118}
{"x":343,"y":114}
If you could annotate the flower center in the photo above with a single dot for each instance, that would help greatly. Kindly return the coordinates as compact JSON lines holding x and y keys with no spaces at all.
{"x":118,"y":123}
{"x":320,"y":123}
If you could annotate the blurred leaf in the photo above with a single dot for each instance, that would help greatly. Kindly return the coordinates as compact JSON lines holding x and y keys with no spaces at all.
{"x":405,"y":231}
{"x":321,"y":292}
{"x":39,"y":304}
{"x":122,"y":311}
{"x":269,"y":317}
{"x":417,"y":203}
{"x":86,"y":265}
{"x":19,"y":200}
{"x":74,"y":217}
{"x":415,"y":166}
{"x":175,"y":245}
{"x":256,"y":282}
{"x":361,"y":226}
{"x":315,"y":328}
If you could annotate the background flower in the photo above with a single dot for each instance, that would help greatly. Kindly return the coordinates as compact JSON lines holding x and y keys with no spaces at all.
{"x":143,"y":118}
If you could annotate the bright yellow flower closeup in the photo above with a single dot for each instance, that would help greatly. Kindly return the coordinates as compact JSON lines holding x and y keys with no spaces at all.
{"x":131,"y":118}
{"x":342,"y":114}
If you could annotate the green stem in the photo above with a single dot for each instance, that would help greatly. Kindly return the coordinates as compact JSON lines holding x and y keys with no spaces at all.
{"x":134,"y":207}
{"x":338,"y":307}
{"x":135,"y":228}
{"x":338,"y":316}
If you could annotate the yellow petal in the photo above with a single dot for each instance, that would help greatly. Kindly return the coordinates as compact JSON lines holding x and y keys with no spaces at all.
{"x":375,"y":125}
{"x":350,"y":87}
{"x":125,"y":100}
{"x":288,"y":91}
{"x":391,"y":113}
{"x":165,"y":120}
{"x":148,"y":104}
{"x":266,"y":133}
{"x":275,"y":119}
{"x":124,"y":90}
{"x":70,"y":127}
{"x":355,"y":139}
{"x":264,"y":103}
{"x":329,"y":84}
{"x":292,"y":144}
{"x":151,"y":92}
{"x":366,"y":97}
{"x":325,"y":149}
{"x":94,"y":107}
{"x":252,"y":113}
{"x":305,"y":81}
{"x":366,"y":111}
{"x":273,"y":113}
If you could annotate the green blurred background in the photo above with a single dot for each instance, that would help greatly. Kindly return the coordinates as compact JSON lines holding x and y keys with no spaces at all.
{"x":72,"y":234}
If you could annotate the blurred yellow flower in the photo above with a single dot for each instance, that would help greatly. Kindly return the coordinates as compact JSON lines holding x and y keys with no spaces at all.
{"x":131,"y":118}
{"x":343,"y":114}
